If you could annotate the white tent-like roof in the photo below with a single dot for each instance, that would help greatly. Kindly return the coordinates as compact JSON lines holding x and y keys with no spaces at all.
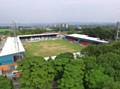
{"x":85,"y":37}
{"x":30,"y":35}
{"x":12,"y":45}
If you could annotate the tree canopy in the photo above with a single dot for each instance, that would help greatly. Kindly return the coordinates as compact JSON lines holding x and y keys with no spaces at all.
{"x":97,"y":69}
{"x":5,"y":83}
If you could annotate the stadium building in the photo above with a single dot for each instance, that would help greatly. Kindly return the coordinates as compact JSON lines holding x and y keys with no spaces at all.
{"x":11,"y":51}
{"x":84,"y":39}
{"x":44,"y":36}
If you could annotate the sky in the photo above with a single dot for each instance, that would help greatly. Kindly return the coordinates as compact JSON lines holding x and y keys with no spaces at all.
{"x":51,"y":11}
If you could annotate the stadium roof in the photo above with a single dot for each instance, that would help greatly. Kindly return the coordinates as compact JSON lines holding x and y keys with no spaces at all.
{"x":38,"y":34}
{"x":12,"y":45}
{"x":86,"y":37}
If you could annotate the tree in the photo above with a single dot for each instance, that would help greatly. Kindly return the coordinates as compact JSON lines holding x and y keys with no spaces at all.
{"x":100,"y":32}
{"x":5,"y":83}
{"x":67,"y":55}
{"x":111,"y":63}
{"x":98,"y":69}
{"x":60,"y":63}
{"x":102,"y":72}
{"x":73,"y":75}
{"x":91,"y":50}
{"x":36,"y":73}
{"x":96,"y":50}
{"x":96,"y":79}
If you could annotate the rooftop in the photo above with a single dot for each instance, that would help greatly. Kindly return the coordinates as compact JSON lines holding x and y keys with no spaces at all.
{"x":11,"y":46}
{"x":2,"y":41}
{"x":38,"y":34}
{"x":86,"y":37}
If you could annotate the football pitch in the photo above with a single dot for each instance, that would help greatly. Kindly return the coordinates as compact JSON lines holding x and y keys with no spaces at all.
{"x":51,"y":47}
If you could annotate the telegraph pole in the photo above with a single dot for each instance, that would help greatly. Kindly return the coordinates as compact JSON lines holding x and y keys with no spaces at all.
{"x":14,"y":27}
{"x":118,"y":30}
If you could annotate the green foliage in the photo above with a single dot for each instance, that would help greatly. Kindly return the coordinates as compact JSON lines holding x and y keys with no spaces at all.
{"x":31,"y":31}
{"x":6,"y":32}
{"x":65,"y":55}
{"x":60,"y":63}
{"x":73,"y":75}
{"x":96,"y":79}
{"x":10,"y":32}
{"x":98,"y":69}
{"x":116,"y":45}
{"x":102,"y":65}
{"x":36,"y":73}
{"x":5,"y":83}
{"x":111,"y":63}
{"x":69,"y":72}
{"x":101,"y":32}
{"x":39,"y":74}
{"x":96,"y":50}
{"x":90,"y":63}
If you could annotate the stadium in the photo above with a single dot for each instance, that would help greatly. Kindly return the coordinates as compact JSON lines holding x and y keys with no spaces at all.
{"x":45,"y":45}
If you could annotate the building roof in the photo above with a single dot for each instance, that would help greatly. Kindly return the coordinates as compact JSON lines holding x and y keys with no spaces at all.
{"x":30,"y":35}
{"x":2,"y":43}
{"x":86,"y":37}
{"x":12,"y":45}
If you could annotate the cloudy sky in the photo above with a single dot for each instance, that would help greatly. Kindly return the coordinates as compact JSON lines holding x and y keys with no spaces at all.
{"x":42,"y":11}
